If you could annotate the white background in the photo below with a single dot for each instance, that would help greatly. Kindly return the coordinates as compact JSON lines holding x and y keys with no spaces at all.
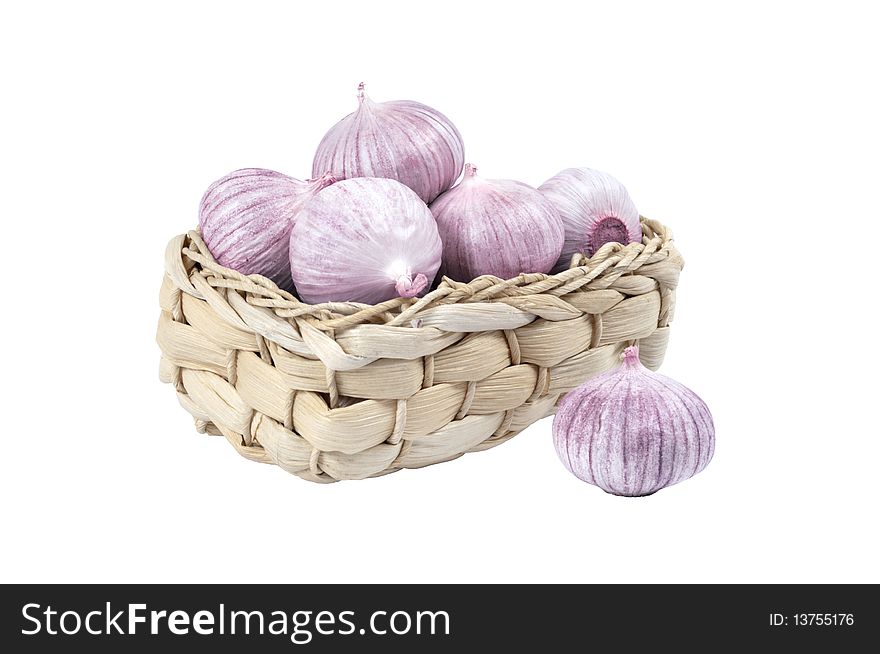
{"x":752,"y":131}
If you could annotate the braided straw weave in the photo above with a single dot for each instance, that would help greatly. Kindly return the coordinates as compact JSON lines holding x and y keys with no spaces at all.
{"x":348,"y":391}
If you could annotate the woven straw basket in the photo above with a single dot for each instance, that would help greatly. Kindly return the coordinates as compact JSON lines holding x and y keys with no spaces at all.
{"x":349,"y":391}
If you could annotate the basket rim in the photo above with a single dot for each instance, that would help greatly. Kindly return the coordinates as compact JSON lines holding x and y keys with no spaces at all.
{"x":187,"y":256}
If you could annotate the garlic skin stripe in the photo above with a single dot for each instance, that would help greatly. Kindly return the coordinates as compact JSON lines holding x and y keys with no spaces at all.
{"x":632,"y":432}
{"x":402,"y":140}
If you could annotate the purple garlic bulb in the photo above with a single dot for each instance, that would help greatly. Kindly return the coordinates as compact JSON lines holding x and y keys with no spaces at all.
{"x":246,"y":217}
{"x":403,"y":140}
{"x":365,"y":240}
{"x":595,"y":209}
{"x":631,"y":431}
{"x":496,"y":227}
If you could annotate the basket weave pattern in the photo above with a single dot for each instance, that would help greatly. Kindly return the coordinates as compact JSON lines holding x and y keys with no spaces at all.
{"x":349,"y":391}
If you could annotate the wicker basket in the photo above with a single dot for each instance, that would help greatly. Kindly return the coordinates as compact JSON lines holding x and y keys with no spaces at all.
{"x":349,"y":391}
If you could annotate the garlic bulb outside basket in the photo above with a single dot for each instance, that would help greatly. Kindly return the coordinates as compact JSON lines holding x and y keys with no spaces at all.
{"x":631,"y":431}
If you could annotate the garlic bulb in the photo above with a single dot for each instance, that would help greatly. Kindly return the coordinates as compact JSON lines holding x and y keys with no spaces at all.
{"x":403,"y":140}
{"x":632,"y":432}
{"x":364,"y":240}
{"x":496,"y":227}
{"x":245,"y":219}
{"x":595,"y":209}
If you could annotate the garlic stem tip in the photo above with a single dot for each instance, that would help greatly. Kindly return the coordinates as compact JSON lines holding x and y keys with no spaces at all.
{"x":406,"y":286}
{"x":631,"y":354}
{"x":470,"y":170}
{"x":324,"y":180}
{"x":361,"y":91}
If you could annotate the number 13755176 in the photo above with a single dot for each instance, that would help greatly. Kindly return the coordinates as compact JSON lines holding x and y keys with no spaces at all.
{"x":812,"y":620}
